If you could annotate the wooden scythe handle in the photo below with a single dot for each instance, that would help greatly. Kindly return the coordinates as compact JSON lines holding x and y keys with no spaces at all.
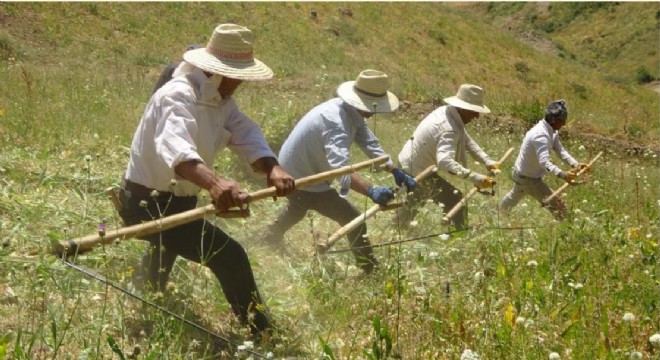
{"x":323,"y":248}
{"x":470,"y":193}
{"x":561,"y":189}
{"x":84,"y":244}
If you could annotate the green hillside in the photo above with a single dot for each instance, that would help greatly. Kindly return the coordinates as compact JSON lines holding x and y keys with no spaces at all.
{"x":427,"y":48}
{"x":619,"y":40}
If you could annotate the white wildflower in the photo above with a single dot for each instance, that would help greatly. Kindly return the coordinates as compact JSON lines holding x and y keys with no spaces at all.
{"x":532,"y":263}
{"x":582,"y":148}
{"x":628,"y":317}
{"x":636,"y":355}
{"x":649,"y":235}
{"x":529,"y":323}
{"x":596,"y":182}
{"x":413,"y":223}
{"x":455,"y":192}
{"x":655,"y":339}
{"x":520,"y":320}
{"x":96,"y":136}
{"x":554,"y":356}
{"x":478,"y":276}
{"x":576,"y":286}
{"x":530,"y":250}
{"x":469,"y":355}
{"x":444,"y":237}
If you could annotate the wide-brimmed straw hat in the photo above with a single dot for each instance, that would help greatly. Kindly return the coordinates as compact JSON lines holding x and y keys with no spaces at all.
{"x":369,"y":92}
{"x":229,"y":53}
{"x":469,"y":97}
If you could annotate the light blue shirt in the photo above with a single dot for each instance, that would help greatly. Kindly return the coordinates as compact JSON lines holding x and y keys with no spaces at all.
{"x":322,"y":139}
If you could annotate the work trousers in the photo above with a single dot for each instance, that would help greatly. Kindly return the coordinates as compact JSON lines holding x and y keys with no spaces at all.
{"x":331,"y":205}
{"x":198,"y":241}
{"x":536,"y":188}
{"x":440,"y":191}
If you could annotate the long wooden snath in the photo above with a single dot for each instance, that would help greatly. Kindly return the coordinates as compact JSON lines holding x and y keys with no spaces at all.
{"x":83,"y":244}
{"x":323,"y":248}
{"x":561,"y":189}
{"x":451,"y":213}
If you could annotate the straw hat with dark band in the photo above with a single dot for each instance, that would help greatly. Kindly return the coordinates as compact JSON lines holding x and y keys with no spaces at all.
{"x":368,"y":89}
{"x":469,"y":97}
{"x":229,"y":53}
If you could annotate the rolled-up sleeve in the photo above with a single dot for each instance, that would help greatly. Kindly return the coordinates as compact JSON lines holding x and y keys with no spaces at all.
{"x":174,"y":134}
{"x":247,"y":140}
{"x":446,"y":154}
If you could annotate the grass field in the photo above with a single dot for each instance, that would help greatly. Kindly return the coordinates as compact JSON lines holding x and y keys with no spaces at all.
{"x":76,"y":77}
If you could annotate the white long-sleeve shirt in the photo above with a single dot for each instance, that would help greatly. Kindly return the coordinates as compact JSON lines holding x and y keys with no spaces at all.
{"x":187,"y":120}
{"x":322,"y":139}
{"x":534,"y":157}
{"x":441,"y":140}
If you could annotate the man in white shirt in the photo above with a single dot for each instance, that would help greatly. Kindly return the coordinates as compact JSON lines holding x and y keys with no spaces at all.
{"x":534,"y":162}
{"x":321,"y":141}
{"x":186,"y":122}
{"x":442,"y":140}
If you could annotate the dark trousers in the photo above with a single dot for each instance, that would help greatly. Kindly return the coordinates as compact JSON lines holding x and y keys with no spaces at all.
{"x":198,"y":241}
{"x":331,"y":205}
{"x":440,"y":191}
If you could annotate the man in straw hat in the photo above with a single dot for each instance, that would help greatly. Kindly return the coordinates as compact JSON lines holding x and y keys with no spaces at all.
{"x":534,"y":162}
{"x":185,"y":123}
{"x":321,"y":141}
{"x":442,"y":140}
{"x":156,"y":266}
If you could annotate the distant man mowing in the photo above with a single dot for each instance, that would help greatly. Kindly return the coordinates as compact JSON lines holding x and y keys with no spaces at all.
{"x":321,"y":141}
{"x":442,"y":140}
{"x":534,"y":162}
{"x":185,"y":123}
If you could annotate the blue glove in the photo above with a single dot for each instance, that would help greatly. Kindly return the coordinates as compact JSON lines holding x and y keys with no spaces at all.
{"x":380,"y":194}
{"x":400,"y":178}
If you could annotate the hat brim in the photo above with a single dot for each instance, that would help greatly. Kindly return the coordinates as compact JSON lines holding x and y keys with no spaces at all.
{"x":246,"y":71}
{"x":455,"y":101}
{"x":384,"y":104}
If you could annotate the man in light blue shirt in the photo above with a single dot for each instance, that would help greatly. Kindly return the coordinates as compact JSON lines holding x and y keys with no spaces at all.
{"x":321,"y":141}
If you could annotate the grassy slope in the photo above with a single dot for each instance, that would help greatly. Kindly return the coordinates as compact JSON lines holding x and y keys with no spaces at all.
{"x":615,"y":38}
{"x":75,"y":80}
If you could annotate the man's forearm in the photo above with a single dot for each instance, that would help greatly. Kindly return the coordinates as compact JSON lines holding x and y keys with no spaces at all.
{"x":358,"y":184}
{"x":264,"y":164}
{"x":198,"y":173}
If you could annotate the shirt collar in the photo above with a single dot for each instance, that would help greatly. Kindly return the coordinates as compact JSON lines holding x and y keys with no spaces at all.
{"x":548,"y":127}
{"x":207,"y":86}
{"x":455,"y":115}
{"x":352,"y":112}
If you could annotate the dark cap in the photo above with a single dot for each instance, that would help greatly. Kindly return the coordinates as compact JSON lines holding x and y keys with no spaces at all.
{"x":556,"y":110}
